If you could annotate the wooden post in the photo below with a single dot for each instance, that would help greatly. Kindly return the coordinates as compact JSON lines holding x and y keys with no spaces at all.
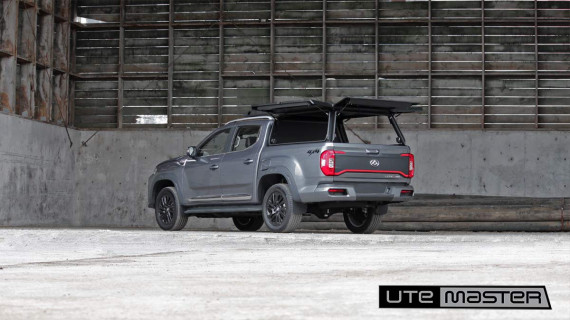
{"x":430,"y":50}
{"x":61,"y":63}
{"x":121,"y":63}
{"x":324,"y":54}
{"x":27,"y":36}
{"x":43,"y":94}
{"x":8,"y":63}
{"x":60,"y":103}
{"x":221,"y":63}
{"x":61,"y":46}
{"x":44,"y":40}
{"x":44,"y":60}
{"x":60,"y":100}
{"x":72,"y":63}
{"x":376,"y":52}
{"x":27,"y":52}
{"x":63,"y":9}
{"x":272,"y":55}
{"x":46,"y":5}
{"x":482,"y":64}
{"x":536,"y":82}
{"x":27,"y":87}
{"x":170,"y":64}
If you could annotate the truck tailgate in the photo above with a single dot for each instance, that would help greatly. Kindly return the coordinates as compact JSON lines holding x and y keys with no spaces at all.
{"x":367,"y":161}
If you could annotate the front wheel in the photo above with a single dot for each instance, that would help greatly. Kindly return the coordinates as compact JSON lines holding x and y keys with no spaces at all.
{"x":364,"y":220}
{"x":280,"y":212}
{"x":169,"y":214}
{"x":248,"y":223}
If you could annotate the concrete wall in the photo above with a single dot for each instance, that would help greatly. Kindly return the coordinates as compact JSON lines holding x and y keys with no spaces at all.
{"x":488,"y":163}
{"x":44,"y":182}
{"x":112,"y":173}
{"x":37,"y":173}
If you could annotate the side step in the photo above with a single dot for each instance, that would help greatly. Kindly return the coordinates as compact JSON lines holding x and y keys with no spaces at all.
{"x":223,"y":211}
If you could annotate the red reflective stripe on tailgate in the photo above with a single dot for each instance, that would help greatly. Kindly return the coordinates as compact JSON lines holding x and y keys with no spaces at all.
{"x":371,"y":171}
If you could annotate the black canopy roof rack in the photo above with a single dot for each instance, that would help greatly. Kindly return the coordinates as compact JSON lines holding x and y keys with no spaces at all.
{"x":347,"y":108}
{"x":309,"y":108}
{"x":352,"y":107}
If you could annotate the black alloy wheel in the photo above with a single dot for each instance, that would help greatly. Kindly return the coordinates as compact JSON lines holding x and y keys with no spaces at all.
{"x":248,"y":223}
{"x":169,"y":214}
{"x":280,"y":212}
{"x":276,"y":207}
{"x":364,"y":220}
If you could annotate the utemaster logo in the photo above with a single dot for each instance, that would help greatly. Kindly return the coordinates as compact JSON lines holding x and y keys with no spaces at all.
{"x":491,"y":297}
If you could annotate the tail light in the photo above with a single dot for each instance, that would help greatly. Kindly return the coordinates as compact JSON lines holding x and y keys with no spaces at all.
{"x":411,"y":164}
{"x":328,"y":162}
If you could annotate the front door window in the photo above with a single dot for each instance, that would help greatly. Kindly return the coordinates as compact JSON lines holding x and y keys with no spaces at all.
{"x":216,"y":144}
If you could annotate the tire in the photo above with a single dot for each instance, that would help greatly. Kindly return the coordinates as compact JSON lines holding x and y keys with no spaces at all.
{"x":168,"y":212}
{"x":280,"y":212}
{"x":248,"y":223}
{"x":364,"y":220}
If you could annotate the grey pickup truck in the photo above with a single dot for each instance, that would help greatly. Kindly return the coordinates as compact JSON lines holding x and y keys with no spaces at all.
{"x":284,"y":161}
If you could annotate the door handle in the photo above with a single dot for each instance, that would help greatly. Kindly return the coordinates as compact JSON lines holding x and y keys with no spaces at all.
{"x":248,"y":161}
{"x":214,"y":167}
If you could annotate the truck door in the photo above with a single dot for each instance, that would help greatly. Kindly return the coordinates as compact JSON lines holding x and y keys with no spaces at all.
{"x":240,"y":163}
{"x":203,"y":173}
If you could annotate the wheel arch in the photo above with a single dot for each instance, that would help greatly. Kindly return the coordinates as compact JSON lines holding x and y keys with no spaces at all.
{"x":274,"y":177}
{"x":159,"y":185}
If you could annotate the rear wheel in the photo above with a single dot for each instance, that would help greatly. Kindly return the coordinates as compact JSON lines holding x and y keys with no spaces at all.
{"x":248,"y":223}
{"x":364,"y":220}
{"x":169,"y":213}
{"x":280,"y":212}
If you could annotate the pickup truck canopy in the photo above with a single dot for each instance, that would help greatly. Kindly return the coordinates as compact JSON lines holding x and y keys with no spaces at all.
{"x":347,"y":108}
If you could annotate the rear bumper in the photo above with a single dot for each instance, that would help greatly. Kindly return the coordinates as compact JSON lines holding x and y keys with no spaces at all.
{"x":359,"y":192}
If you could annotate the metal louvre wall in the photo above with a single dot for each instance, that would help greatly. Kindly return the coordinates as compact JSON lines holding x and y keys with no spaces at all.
{"x":197,"y":64}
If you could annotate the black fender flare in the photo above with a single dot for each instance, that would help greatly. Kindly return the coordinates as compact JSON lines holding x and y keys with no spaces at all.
{"x":163,"y":177}
{"x":288,"y":176}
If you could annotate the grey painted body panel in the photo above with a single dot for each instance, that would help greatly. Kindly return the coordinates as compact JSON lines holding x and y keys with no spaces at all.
{"x":238,"y":176}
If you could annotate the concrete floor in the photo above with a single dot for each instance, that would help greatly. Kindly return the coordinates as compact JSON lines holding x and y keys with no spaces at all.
{"x":148,"y":274}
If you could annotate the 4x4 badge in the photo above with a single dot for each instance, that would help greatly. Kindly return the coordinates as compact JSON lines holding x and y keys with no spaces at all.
{"x":374,"y":163}
{"x":317,"y":151}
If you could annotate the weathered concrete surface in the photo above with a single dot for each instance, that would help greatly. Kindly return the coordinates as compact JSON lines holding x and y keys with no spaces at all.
{"x":114,"y":167}
{"x":37,"y":173}
{"x":45,"y":183}
{"x":487,"y":163}
{"x":112,"y":173}
{"x":122,"y":274}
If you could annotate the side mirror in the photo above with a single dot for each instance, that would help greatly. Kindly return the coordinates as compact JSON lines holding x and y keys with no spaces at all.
{"x":191,"y":152}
